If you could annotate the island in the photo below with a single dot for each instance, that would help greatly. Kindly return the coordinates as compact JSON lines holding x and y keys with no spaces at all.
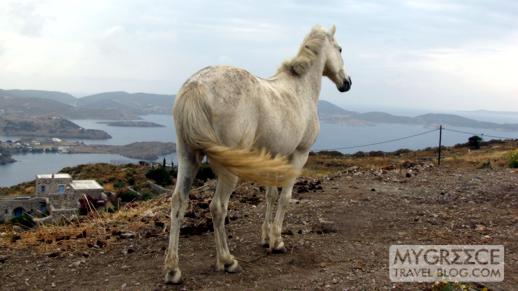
{"x":5,"y":158}
{"x":149,"y":151}
{"x":131,"y":123}
{"x":47,"y":126}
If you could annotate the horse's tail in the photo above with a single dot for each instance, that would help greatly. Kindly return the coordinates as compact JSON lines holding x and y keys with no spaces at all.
{"x":193,"y":126}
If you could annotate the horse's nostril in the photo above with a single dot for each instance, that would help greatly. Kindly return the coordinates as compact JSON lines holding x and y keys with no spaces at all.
{"x":350,"y":81}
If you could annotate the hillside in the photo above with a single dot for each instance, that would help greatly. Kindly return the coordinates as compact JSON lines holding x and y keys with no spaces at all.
{"x":40,"y":94}
{"x":120,"y":105}
{"x":149,"y":151}
{"x":105,"y":106}
{"x":47,"y":127}
{"x":343,"y":215}
{"x":138,"y":103}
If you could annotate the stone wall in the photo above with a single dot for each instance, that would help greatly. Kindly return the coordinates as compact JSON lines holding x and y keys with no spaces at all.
{"x":12,"y":207}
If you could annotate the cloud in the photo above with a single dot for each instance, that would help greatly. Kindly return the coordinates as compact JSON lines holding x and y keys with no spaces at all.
{"x":490,"y":66}
{"x":25,"y":14}
{"x":434,"y":5}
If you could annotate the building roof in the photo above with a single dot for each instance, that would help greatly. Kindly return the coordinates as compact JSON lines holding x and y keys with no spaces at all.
{"x":56,"y":176}
{"x":85,"y":185}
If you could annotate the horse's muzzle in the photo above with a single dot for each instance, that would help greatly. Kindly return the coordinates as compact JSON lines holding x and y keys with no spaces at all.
{"x":346,"y":86}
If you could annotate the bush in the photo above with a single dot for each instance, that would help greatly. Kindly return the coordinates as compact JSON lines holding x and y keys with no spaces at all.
{"x":147,"y":196}
{"x":512,"y":159}
{"x":128,"y":196}
{"x":160,"y":175}
{"x":130,"y":180}
{"x":331,"y":153}
{"x":474,"y":142}
{"x":24,"y":220}
{"x":119,"y":184}
{"x":205,"y":173}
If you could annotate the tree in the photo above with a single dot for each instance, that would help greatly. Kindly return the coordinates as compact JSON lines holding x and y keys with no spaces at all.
{"x":474,"y":142}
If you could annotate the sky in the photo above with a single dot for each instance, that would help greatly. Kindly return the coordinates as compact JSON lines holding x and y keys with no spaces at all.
{"x":430,"y":55}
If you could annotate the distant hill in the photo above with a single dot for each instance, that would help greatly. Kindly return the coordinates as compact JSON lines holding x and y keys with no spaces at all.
{"x":20,"y":107}
{"x":326,"y":108}
{"x":120,"y":105}
{"x":48,"y":127}
{"x":40,"y":94}
{"x":138,"y":103}
{"x":117,"y":105}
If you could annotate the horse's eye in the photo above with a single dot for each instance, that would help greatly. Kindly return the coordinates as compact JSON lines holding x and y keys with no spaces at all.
{"x":340,"y":49}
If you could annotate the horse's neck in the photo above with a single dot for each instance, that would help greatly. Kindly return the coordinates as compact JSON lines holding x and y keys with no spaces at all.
{"x":311,"y":82}
{"x":306,"y":87}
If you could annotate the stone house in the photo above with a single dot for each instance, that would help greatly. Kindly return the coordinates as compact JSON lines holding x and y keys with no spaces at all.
{"x":58,"y":194}
{"x":11,"y":207}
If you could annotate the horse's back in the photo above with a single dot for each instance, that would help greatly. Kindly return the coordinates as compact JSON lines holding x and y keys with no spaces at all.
{"x":246,"y":110}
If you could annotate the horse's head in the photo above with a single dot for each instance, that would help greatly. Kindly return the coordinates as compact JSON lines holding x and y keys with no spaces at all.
{"x":334,"y":66}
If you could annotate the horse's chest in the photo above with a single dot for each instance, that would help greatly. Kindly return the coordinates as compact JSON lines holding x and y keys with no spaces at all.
{"x":310,"y":135}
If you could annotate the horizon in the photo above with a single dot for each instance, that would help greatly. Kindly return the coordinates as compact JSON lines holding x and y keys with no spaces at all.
{"x":362,"y":108}
{"x":447,"y":56}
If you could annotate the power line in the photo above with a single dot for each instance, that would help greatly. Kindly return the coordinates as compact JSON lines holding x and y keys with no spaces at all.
{"x":473,"y":133}
{"x":383,"y":142}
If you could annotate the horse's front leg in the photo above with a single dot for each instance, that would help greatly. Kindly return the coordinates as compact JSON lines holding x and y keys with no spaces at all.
{"x":276,"y":244}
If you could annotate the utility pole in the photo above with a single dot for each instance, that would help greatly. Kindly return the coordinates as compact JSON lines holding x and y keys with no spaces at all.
{"x":439,"y":151}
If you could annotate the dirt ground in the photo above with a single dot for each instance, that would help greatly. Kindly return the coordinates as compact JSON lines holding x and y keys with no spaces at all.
{"x":367,"y":211}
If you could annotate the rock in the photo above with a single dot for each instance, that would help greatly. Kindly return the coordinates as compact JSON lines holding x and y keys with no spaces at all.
{"x":17,"y":228}
{"x":325,"y":226}
{"x":127,"y":234}
{"x":148,"y":214}
{"x":77,"y":263}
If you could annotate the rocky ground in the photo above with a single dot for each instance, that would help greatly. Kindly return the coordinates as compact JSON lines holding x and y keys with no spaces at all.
{"x":338,"y":232}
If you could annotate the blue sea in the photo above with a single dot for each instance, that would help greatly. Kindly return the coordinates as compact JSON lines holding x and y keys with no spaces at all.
{"x":332,"y":136}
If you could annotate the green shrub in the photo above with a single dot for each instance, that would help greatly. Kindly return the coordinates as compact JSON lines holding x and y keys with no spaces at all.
{"x":130,"y":180}
{"x":147,"y":196}
{"x":128,"y":196}
{"x":160,"y":175}
{"x":205,"y":173}
{"x":24,"y":220}
{"x":119,"y":184}
{"x":474,"y":142}
{"x":512,"y":159}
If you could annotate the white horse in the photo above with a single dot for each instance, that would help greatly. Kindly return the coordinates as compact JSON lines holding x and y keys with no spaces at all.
{"x":253,"y":129}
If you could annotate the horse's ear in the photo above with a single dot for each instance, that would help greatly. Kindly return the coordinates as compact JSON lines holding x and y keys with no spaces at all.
{"x":332,"y":30}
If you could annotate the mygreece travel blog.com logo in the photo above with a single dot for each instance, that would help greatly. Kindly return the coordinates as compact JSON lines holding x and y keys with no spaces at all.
{"x":454,"y":263}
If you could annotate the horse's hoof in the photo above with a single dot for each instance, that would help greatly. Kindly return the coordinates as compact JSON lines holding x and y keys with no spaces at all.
{"x":233,"y":268}
{"x":281,"y":250}
{"x":265,"y":245}
{"x":173,"y":277}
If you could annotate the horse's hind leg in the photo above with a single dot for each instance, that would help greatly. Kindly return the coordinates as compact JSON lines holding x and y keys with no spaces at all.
{"x":271,"y":196}
{"x":276,"y":244}
{"x":188,"y":164}
{"x":218,"y":208}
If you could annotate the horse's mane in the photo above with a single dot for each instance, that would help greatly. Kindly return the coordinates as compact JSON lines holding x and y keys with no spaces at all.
{"x":308,"y":52}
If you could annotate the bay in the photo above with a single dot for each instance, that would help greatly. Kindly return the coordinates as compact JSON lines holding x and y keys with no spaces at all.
{"x":341,"y":137}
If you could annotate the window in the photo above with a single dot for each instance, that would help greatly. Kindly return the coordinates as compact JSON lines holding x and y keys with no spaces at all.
{"x":43,"y":189}
{"x":61,"y":188}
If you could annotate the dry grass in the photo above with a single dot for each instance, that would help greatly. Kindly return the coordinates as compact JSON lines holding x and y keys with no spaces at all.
{"x":495,"y":155}
{"x":80,"y":234}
